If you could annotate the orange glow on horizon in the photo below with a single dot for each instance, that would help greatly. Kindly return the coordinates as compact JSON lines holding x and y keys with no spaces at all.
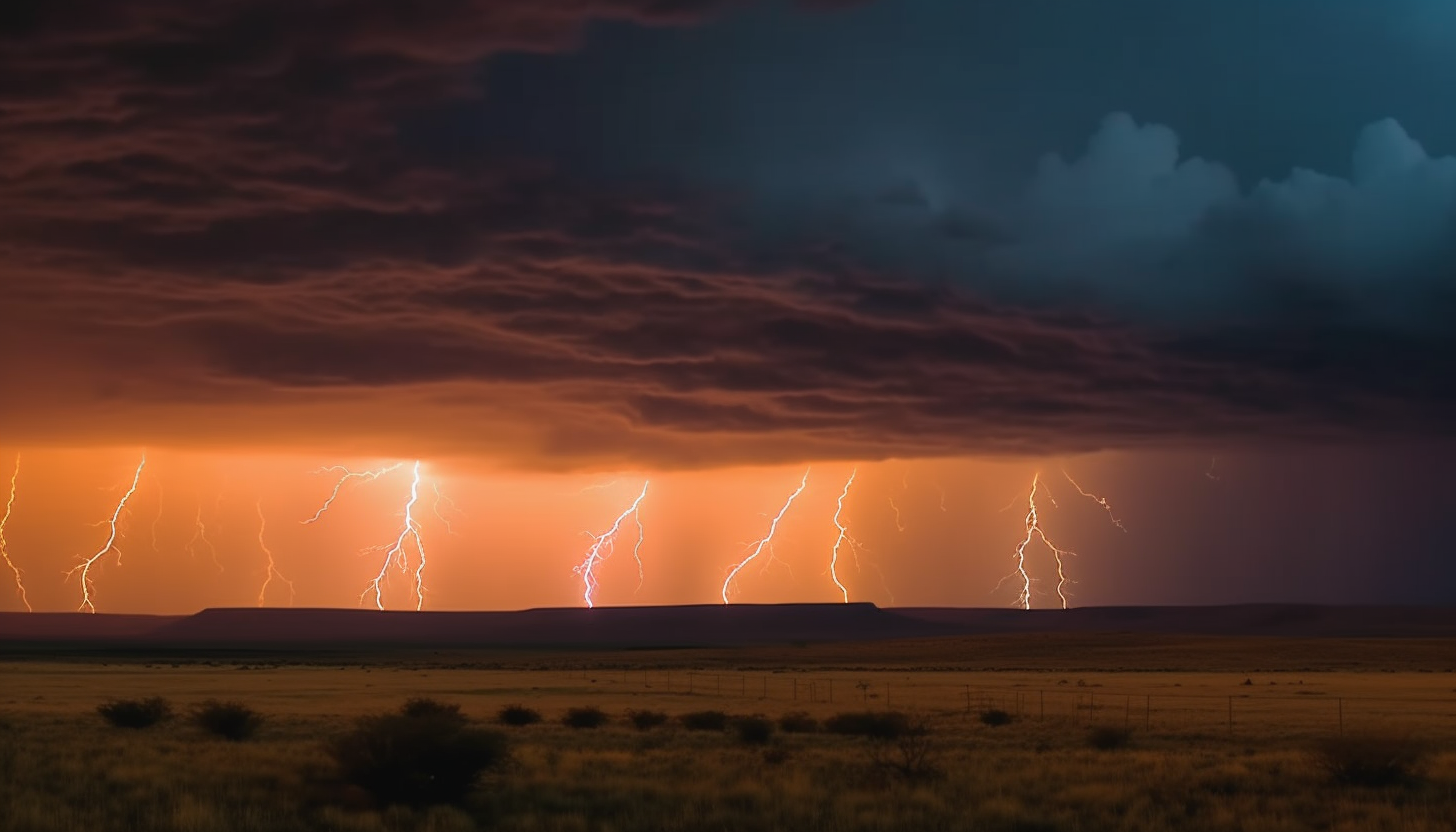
{"x":498,"y":539}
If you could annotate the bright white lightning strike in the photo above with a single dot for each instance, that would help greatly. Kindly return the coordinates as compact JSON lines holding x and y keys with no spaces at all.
{"x":843,"y":538}
{"x":1033,"y":529}
{"x":347,"y":475}
{"x":605,"y":543}
{"x":398,"y":552}
{"x":767,"y":539}
{"x":1101,"y":501}
{"x":272,"y":568}
{"x":4,"y":552}
{"x":84,"y":567}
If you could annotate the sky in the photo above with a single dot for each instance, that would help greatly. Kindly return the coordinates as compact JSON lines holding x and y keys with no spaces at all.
{"x":1198,"y":256}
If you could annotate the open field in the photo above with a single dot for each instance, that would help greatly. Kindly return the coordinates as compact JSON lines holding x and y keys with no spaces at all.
{"x":1188,"y":766}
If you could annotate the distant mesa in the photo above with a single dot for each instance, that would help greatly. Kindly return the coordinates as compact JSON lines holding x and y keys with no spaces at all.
{"x":707,"y":625}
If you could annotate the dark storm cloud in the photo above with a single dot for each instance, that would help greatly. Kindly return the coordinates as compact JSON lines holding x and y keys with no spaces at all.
{"x":236,"y":219}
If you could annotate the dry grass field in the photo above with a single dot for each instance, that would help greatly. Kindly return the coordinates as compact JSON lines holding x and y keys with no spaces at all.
{"x":1220,"y":734}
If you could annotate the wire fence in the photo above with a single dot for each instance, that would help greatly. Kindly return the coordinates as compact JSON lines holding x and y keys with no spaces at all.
{"x":1241,"y":714}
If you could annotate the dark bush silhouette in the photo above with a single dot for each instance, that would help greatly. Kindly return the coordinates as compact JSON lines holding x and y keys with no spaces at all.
{"x":136,"y":713}
{"x":775,"y":755}
{"x":418,"y":757}
{"x":753,"y":730}
{"x":1109,"y":737}
{"x":229,"y":720}
{"x":912,"y":755}
{"x":1370,"y":760}
{"x":421,"y":707}
{"x":798,"y":722}
{"x":646,"y":720}
{"x":995,"y":717}
{"x":880,"y":725}
{"x":518,"y":715}
{"x":588,"y":717}
{"x":705,"y":721}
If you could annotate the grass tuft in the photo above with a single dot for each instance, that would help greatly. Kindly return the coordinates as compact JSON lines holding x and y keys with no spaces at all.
{"x":1371,"y":760}
{"x":880,"y":725}
{"x":646,"y":720}
{"x":705,"y":721}
{"x":587,"y":717}
{"x":1109,"y":737}
{"x":518,"y":716}
{"x":418,"y":757}
{"x":753,"y":730}
{"x":995,"y":717}
{"x":798,"y":722}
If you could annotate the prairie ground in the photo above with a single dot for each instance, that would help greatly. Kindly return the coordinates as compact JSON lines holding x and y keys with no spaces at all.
{"x":1221,"y":734}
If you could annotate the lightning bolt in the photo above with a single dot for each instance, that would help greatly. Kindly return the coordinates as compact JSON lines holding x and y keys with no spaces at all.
{"x":449,"y":504}
{"x":1101,"y":501}
{"x":199,"y":538}
{"x":899,"y":522}
{"x":1212,"y":464}
{"x":605,"y":543}
{"x":84,"y":567}
{"x":767,"y":539}
{"x":1033,"y":529}
{"x":843,"y":538}
{"x":343,"y":480}
{"x":398,"y":553}
{"x":272,"y":570}
{"x":4,"y":552}
{"x":942,"y":497}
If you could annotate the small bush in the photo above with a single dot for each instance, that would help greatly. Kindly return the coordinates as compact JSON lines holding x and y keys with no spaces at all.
{"x":518,"y":715}
{"x":136,"y":713}
{"x":646,"y":720}
{"x":753,"y":730}
{"x":798,"y":722}
{"x":912,"y":755}
{"x":418,"y":759}
{"x":705,"y":721}
{"x":880,"y":725}
{"x":1370,"y":760}
{"x":432,"y":708}
{"x":777,"y":755}
{"x":229,"y":720}
{"x":588,"y":717}
{"x":1109,"y":737}
{"x":995,"y":717}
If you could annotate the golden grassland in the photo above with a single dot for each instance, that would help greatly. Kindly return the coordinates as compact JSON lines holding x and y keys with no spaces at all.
{"x":1188,"y":767}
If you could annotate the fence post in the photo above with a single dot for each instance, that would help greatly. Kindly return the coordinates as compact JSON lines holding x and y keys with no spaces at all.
{"x":813,"y":696}
{"x":690,"y":681}
{"x":796,"y":688}
{"x":765,"y":687}
{"x":718,"y":679}
{"x":1340,"y":704}
{"x":887,"y":696}
{"x":968,"y":700}
{"x":1148,"y":713}
{"x":742,"y":685}
{"x":1127,"y":714}
{"x":1231,"y":716}
{"x":831,"y":691}
{"x":1041,"y":695}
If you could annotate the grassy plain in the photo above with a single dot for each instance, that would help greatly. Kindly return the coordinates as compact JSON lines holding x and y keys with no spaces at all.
{"x":1189,"y":766}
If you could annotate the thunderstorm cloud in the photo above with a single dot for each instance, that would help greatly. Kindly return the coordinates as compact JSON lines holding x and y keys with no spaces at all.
{"x":398,"y":227}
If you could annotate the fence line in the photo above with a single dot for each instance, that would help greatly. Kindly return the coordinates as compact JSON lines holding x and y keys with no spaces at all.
{"x":1165,"y":710}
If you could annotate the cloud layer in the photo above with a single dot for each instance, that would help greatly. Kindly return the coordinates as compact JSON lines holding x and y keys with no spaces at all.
{"x":220,"y":230}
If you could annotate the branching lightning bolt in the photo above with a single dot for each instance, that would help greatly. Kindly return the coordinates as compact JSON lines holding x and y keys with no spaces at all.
{"x":605,"y":543}
{"x":449,"y":504}
{"x":4,"y":551}
{"x":767,"y":539}
{"x":398,"y":552}
{"x":844,"y":538}
{"x":199,"y":538}
{"x":84,"y":567}
{"x":1101,"y":501}
{"x":347,"y":475}
{"x":272,"y":569}
{"x":1033,"y":529}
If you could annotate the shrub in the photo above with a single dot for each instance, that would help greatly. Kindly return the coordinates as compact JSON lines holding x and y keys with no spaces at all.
{"x":880,"y":725}
{"x":588,"y":717}
{"x":1109,"y":737}
{"x":229,"y":720}
{"x":995,"y":717}
{"x":136,"y":713}
{"x":776,"y":755}
{"x":753,"y":730}
{"x":646,"y":720}
{"x":911,"y":755}
{"x":432,"y":708}
{"x":705,"y":721}
{"x":798,"y":722}
{"x":417,"y":759}
{"x":518,"y":715}
{"x":1370,"y":760}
